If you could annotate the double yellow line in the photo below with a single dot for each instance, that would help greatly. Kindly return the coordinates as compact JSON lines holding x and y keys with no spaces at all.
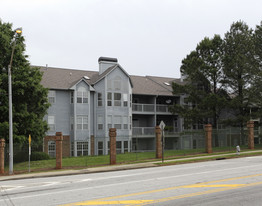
{"x":210,"y":184}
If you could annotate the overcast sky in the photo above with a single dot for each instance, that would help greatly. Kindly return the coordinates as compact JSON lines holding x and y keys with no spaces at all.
{"x":148,"y":37}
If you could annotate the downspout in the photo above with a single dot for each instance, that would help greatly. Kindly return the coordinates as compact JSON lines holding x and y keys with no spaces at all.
{"x":105,"y":103}
{"x":94,"y":123}
{"x":89,"y":121}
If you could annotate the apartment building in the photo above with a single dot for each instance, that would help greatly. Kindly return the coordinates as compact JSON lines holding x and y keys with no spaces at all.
{"x":85,"y":104}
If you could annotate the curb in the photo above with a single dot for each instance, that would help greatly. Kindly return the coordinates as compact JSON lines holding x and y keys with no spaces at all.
{"x":111,"y":168}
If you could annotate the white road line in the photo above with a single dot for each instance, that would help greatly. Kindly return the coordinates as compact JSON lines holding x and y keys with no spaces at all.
{"x":132,"y":182}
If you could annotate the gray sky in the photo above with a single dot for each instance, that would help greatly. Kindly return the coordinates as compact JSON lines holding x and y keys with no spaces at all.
{"x":148,"y":37}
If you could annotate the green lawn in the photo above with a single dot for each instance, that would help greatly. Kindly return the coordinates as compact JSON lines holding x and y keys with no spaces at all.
{"x":127,"y":158}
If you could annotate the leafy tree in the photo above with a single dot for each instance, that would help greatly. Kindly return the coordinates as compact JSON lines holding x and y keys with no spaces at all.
{"x":203,"y":71}
{"x":30,"y":101}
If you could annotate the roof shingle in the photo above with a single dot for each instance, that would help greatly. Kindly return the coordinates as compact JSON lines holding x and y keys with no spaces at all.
{"x":57,"y":78}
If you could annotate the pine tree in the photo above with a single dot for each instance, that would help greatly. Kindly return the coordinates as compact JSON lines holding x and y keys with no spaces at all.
{"x":203,"y":71}
{"x":241,"y":71}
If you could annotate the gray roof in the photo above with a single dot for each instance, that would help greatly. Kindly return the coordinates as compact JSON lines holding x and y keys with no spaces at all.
{"x":152,"y":85}
{"x":57,"y":78}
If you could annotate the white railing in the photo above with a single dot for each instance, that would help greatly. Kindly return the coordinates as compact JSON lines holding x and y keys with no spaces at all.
{"x":143,"y":131}
{"x":162,"y":108}
{"x":150,"y":108}
{"x":143,"y":107}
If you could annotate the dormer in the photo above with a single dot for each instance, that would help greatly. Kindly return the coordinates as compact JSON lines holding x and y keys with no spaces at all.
{"x":105,"y":63}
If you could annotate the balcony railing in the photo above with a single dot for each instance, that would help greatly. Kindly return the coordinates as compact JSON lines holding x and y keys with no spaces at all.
{"x":150,"y":131}
{"x":162,"y":108}
{"x":143,"y":131}
{"x":150,"y":108}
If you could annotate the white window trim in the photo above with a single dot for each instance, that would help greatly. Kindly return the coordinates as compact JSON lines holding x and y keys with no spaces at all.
{"x":52,"y":95}
{"x":51,"y":122}
{"x":82,"y":94}
{"x":81,"y":125}
{"x":100,"y":100}
{"x":100,"y":122}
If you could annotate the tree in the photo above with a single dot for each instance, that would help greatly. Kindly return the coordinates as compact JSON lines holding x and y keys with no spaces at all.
{"x":257,"y":83}
{"x":242,"y":72}
{"x":30,"y":101}
{"x":203,"y":71}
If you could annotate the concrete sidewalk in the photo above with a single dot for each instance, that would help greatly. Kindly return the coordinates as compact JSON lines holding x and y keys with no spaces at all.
{"x":109,"y":167}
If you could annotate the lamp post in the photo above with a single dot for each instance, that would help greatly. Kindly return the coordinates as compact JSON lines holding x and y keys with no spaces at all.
{"x":17,"y":32}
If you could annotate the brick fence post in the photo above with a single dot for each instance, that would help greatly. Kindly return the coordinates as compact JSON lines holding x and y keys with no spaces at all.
{"x":59,"y":149}
{"x":2,"y":156}
{"x":250,"y":127}
{"x":112,"y":135}
{"x":208,"y":134}
{"x":158,"y":142}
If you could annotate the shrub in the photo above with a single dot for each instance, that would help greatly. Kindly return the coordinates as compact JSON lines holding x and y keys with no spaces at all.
{"x":23,"y":156}
{"x":39,"y":156}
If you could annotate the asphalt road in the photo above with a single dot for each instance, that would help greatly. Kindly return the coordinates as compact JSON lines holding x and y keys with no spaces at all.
{"x":222,"y":182}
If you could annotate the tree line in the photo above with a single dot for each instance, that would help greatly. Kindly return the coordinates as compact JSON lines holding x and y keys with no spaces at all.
{"x":222,"y":79}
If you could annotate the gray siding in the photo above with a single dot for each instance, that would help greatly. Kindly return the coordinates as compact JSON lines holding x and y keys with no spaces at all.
{"x":61,"y":109}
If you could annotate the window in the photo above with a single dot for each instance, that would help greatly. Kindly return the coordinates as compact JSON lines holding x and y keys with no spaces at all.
{"x":72,"y":97}
{"x":117,"y":99}
{"x":82,"y":95}
{"x":109,"y":122}
{"x":99,"y":100}
{"x":118,"y":147}
{"x":130,"y":100}
{"x":82,"y":148}
{"x":130,"y":121}
{"x":100,"y":121}
{"x":100,"y":148}
{"x":109,"y":99}
{"x":125,"y":101}
{"x":125,"y":146}
{"x":108,"y":147}
{"x":51,"y":123}
{"x":117,"y":122}
{"x":125,"y":122}
{"x":51,"y":96}
{"x":72,"y":148}
{"x":82,"y":122}
{"x":51,"y":149}
{"x":117,"y":83}
{"x":134,"y":144}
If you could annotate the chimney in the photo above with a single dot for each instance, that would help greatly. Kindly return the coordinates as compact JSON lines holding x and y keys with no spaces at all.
{"x":105,"y":63}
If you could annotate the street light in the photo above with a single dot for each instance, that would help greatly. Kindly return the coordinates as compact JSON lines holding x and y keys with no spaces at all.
{"x":17,"y":32}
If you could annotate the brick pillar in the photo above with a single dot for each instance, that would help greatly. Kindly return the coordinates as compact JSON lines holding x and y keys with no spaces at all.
{"x":92,"y":145}
{"x":158,"y":142}
{"x":2,"y":156}
{"x":59,"y":149}
{"x":208,"y":134}
{"x":112,"y":135}
{"x":250,"y":128}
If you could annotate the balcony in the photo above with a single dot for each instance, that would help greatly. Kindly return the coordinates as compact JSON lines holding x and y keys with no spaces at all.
{"x":150,"y":108}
